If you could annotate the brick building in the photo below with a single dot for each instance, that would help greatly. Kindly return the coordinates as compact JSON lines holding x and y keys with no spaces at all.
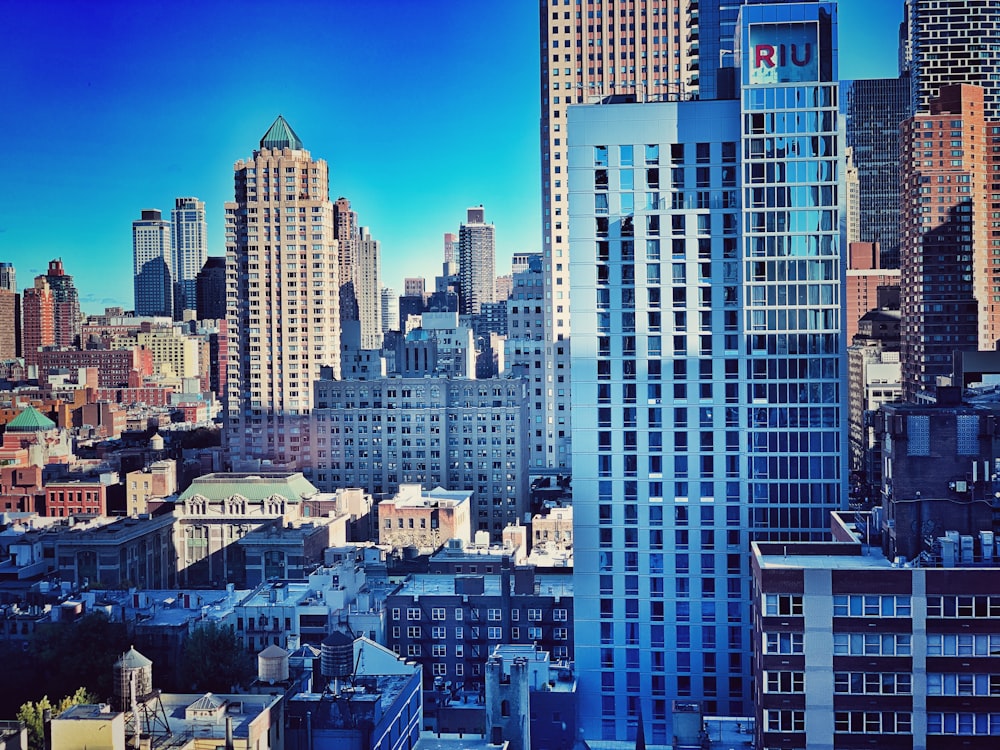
{"x":450,"y":624}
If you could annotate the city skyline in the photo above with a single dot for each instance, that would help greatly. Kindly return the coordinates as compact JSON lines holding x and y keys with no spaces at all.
{"x":170,"y":107}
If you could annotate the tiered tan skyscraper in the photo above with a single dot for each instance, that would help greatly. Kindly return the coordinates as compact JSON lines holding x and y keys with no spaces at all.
{"x":283,"y":305}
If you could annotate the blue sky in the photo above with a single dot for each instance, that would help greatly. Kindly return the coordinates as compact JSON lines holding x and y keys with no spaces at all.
{"x":421,"y":107}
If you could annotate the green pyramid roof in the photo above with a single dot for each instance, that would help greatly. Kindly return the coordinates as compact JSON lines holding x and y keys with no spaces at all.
{"x":30,"y":420}
{"x":280,"y":135}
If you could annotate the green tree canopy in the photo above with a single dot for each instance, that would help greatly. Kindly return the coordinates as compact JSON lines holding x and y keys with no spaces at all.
{"x":32,"y":714}
{"x":77,"y":653}
{"x":213,"y":659}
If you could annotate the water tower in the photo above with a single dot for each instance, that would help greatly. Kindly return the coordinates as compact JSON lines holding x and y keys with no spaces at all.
{"x":272,"y":665}
{"x":136,"y":697}
{"x":337,"y":657}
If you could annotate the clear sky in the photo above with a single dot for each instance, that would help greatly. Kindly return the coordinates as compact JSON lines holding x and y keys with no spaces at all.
{"x":421,"y":107}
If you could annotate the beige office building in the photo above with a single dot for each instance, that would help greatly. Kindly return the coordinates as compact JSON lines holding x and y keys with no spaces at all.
{"x":283,"y":308}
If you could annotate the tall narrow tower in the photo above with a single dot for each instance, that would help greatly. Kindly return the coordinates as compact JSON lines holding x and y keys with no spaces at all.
{"x":947,"y":296}
{"x":283,"y":301}
{"x":708,"y":367}
{"x":476,"y":262}
{"x":190,"y":249}
{"x":151,"y":264}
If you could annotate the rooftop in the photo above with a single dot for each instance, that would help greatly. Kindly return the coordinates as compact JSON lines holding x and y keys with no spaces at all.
{"x":30,"y":420}
{"x":293,"y":486}
{"x":280,"y":136}
{"x":444,"y":585}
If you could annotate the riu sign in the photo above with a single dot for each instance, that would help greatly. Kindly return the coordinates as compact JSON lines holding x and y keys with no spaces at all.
{"x":782,"y":53}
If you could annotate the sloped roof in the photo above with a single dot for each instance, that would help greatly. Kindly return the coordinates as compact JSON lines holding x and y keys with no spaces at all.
{"x":292,"y":486}
{"x":30,"y":420}
{"x":132,"y":659}
{"x":280,"y":135}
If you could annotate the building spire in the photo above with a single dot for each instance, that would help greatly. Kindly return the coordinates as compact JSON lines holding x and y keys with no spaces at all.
{"x":280,"y":135}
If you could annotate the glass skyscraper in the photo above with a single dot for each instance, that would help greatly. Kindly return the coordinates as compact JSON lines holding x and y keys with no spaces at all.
{"x":707,"y":366}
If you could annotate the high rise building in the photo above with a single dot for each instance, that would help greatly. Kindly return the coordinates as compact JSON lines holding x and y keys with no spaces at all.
{"x":210,"y":289}
{"x":345,"y":230}
{"x":66,"y":305}
{"x":708,"y":366}
{"x":151,"y":264}
{"x":190,"y":249}
{"x":8,"y":277}
{"x":38,"y":320}
{"x":450,"y":247}
{"x":51,"y":313}
{"x":284,"y":311}
{"x":874,"y":110}
{"x":476,"y":262}
{"x":653,"y":50}
{"x":367,"y":286}
{"x":947,"y":281}
{"x":10,"y":324}
{"x":419,"y":426}
{"x":950,"y":43}
{"x":390,"y":309}
{"x":651,"y":54}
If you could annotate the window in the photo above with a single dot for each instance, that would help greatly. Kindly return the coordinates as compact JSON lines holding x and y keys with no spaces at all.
{"x":413,"y":649}
{"x":439,"y":670}
{"x":439,"y":631}
{"x":559,"y":615}
{"x":395,"y":613}
{"x":439,"y":650}
{"x":782,"y":605}
{"x":785,"y":721}
{"x":534,"y":634}
{"x":784,"y":682}
{"x":783,"y":643}
{"x":494,"y":615}
{"x":438,"y":613}
{"x":534,"y":615}
{"x":494,"y":634}
{"x":413,"y":613}
{"x":413,"y":631}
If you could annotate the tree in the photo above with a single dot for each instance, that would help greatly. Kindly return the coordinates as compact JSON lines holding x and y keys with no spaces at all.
{"x":213,"y":659}
{"x":80,"y":653}
{"x":33,"y":714}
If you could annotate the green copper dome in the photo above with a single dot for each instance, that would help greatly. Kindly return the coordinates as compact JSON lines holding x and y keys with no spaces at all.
{"x":280,"y":135}
{"x":30,"y":420}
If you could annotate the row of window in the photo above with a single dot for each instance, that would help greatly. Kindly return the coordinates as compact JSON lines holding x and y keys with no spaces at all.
{"x":872,"y":722}
{"x":492,"y":633}
{"x":492,"y":614}
{"x":963,"y":606}
{"x":962,"y":684}
{"x":871,"y":605}
{"x":964,"y":723}
{"x":962,"y":644}
{"x":702,"y":153}
{"x":853,"y":683}
{"x":872,"y":644}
